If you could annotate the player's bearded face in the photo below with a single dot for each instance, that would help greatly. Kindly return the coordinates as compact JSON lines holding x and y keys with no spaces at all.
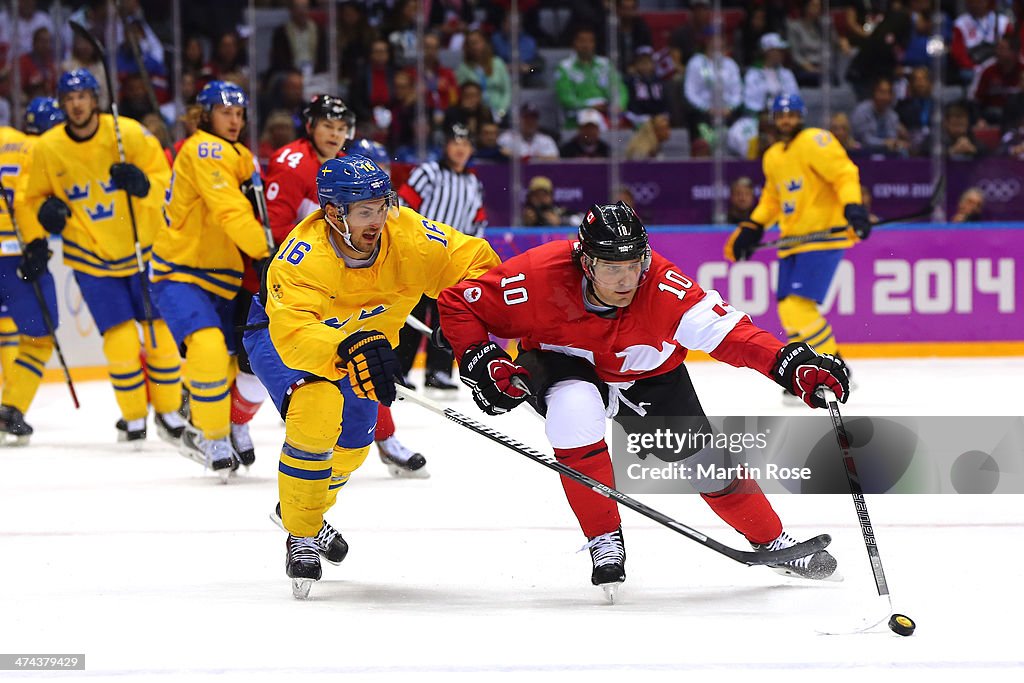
{"x":615,"y":282}
{"x":227,"y":121}
{"x":79,"y":107}
{"x":366,"y":221}
{"x":328,"y":137}
{"x":787,"y":122}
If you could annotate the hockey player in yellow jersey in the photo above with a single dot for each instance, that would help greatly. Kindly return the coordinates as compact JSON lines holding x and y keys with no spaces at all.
{"x":26,"y":343}
{"x":336,"y":294}
{"x":79,"y":189}
{"x":197,"y":266}
{"x":810,"y":185}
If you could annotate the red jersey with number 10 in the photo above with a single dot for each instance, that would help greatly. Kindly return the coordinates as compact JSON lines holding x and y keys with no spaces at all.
{"x":537,"y":297}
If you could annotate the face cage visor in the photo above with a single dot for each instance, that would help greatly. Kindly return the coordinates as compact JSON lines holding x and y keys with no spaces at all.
{"x":389,"y":209}
{"x":619,"y":276}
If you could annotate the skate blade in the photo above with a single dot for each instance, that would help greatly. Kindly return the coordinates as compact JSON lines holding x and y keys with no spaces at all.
{"x":9,"y":441}
{"x":834,"y":577}
{"x":301,"y":588}
{"x":169,"y":438}
{"x":611,"y":591}
{"x":224,"y":474}
{"x":402,"y":473}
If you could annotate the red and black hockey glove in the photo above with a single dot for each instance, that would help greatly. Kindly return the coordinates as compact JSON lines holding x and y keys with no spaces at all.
{"x":801,"y":370}
{"x":496,"y":381}
{"x":743,"y":241}
{"x":372,"y":365}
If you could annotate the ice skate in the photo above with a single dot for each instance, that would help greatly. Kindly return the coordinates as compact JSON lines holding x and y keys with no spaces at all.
{"x":402,"y":462}
{"x":14,"y":431}
{"x":302,"y":565}
{"x":214,"y":454}
{"x":440,"y":385}
{"x":132,"y":432}
{"x":169,"y":427}
{"x":819,"y":566}
{"x":608,"y":553}
{"x":329,"y":541}
{"x":241,"y":442}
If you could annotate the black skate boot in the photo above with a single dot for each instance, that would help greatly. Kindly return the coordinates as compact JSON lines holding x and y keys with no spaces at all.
{"x":169,"y":427}
{"x":302,"y":565}
{"x":14,"y":431}
{"x":214,"y":454}
{"x":242,"y":444}
{"x":608,"y":553}
{"x":329,"y":541}
{"x":819,"y":566}
{"x":442,"y":381}
{"x":401,"y":461}
{"x":133,"y":432}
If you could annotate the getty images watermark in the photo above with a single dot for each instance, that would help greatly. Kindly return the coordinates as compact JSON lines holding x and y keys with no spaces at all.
{"x":801,"y":455}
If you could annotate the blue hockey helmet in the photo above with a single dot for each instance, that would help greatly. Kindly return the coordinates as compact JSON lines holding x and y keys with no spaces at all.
{"x":789,"y":102}
{"x":351,"y":179}
{"x":372,"y":150}
{"x":222,"y":92}
{"x":76,"y":80}
{"x":42,"y":114}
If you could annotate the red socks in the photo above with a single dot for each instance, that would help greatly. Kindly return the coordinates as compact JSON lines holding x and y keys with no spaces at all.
{"x":385,"y":425}
{"x":743,"y":506}
{"x":242,"y":411}
{"x":596,"y":514}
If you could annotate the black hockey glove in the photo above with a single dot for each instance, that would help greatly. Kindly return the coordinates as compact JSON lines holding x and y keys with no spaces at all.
{"x":34,"y":258}
{"x":130,"y":178}
{"x":857,"y":216}
{"x":53,"y":215}
{"x":249,"y":190}
{"x":438,"y":339}
{"x":742,"y":243}
{"x":496,"y":381}
{"x":801,"y":370}
{"x":372,"y":365}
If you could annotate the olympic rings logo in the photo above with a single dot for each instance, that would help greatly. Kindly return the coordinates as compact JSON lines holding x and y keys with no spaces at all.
{"x":645,"y":193}
{"x":999,"y":189}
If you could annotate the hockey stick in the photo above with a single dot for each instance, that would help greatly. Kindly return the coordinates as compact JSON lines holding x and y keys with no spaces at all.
{"x":794,"y":240}
{"x":38,"y":291}
{"x":261,"y":207}
{"x":861,"y":506}
{"x":140,"y":63}
{"x":756,"y":557}
{"x":139,"y":263}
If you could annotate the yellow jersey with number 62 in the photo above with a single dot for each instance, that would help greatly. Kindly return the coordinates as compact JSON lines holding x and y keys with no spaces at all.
{"x":807,"y":184}
{"x":15,"y":159}
{"x":315,"y":300}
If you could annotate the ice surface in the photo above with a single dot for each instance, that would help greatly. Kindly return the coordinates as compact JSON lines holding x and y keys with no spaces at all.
{"x":156,"y":571}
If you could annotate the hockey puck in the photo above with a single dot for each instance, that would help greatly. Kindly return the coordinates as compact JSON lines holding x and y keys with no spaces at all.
{"x":902,"y":624}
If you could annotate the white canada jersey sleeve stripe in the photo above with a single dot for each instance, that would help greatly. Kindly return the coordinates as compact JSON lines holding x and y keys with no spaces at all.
{"x":706,"y":323}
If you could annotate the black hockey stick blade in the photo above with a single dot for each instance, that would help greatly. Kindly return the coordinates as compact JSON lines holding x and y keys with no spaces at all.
{"x":748,"y":557}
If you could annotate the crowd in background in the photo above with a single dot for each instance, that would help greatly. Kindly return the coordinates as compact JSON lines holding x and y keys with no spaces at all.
{"x":678,"y":74}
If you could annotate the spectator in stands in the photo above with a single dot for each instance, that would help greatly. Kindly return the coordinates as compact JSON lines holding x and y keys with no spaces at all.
{"x":539,"y":209}
{"x":453,"y":18}
{"x":805,"y":40}
{"x":278,"y":131}
{"x":401,"y":32}
{"x":471,"y":111}
{"x":287,"y":93}
{"x":922,"y":28}
{"x":741,"y":200}
{"x":585,"y":80}
{"x":155,"y":71}
{"x":193,"y":57}
{"x":481,"y":65}
{"x":998,"y":79}
{"x":646,"y":92}
{"x":587,"y":143}
{"x":402,"y":131}
{"x":689,"y":37}
{"x":633,"y":33}
{"x":702,"y":80}
{"x":355,"y":39}
{"x":971,"y":206}
{"x":1012,"y":144}
{"x":93,"y":15}
{"x":372,"y":89}
{"x":439,"y":84}
{"x":915,"y":111}
{"x":879,"y":56}
{"x":486,"y":146}
{"x":649,"y":138}
{"x":839,"y":126}
{"x":531,"y":63}
{"x":299,"y":43}
{"x":30,"y":20}
{"x":530,"y":142}
{"x":227,"y":58}
{"x":762,"y":83}
{"x":39,"y":66}
{"x":134,"y":102}
{"x":747,"y":41}
{"x":957,"y":138}
{"x":975,"y":34}
{"x":862,"y":17}
{"x":875,"y":124}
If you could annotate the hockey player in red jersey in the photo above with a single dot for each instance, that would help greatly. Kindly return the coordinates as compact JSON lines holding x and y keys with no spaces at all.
{"x":604,"y":326}
{"x":291,"y":196}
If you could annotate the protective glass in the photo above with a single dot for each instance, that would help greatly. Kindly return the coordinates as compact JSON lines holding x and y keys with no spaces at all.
{"x":371,"y":210}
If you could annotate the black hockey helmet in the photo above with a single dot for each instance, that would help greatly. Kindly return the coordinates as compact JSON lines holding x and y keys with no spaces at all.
{"x":612,"y":232}
{"x":324,"y":106}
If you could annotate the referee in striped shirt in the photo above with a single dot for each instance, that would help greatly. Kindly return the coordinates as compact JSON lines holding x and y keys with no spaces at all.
{"x":447,"y":192}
